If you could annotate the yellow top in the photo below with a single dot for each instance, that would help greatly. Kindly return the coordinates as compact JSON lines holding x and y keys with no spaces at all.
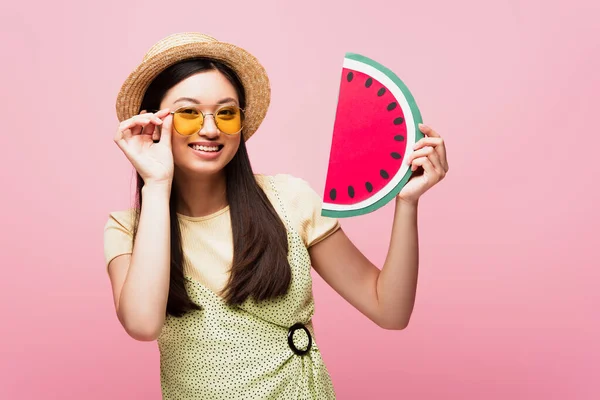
{"x":240,"y":352}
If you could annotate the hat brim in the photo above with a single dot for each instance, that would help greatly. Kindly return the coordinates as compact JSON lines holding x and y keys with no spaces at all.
{"x":251,"y":73}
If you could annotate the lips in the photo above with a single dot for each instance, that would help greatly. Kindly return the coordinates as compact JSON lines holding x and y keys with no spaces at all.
{"x":207,"y":151}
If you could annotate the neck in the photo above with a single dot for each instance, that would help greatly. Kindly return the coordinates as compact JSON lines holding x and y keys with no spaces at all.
{"x":200,"y":195}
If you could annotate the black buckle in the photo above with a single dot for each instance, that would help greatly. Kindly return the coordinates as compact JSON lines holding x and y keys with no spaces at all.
{"x":291,"y":331}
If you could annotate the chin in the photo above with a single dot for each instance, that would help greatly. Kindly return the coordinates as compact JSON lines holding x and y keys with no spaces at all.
{"x":202,"y":168}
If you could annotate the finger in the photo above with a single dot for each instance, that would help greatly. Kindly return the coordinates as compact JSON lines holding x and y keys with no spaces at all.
{"x":424,"y":152}
{"x":147,"y":116}
{"x":136,"y":129}
{"x":433,"y":161}
{"x":119,"y":134}
{"x":122,"y":143}
{"x":165,"y":130}
{"x":154,"y":118}
{"x":162,"y":114}
{"x":143,"y":126}
{"x":144,"y":123}
{"x":428,"y":141}
{"x":124,"y":131}
{"x":151,"y":114}
{"x":137,"y":120}
{"x":437,"y":163}
{"x":149,"y":129}
{"x":428,"y":131}
{"x":425,"y":164}
{"x":120,"y":139}
{"x":435,"y":140}
{"x":430,"y":153}
{"x":156,"y":134}
{"x":131,"y":127}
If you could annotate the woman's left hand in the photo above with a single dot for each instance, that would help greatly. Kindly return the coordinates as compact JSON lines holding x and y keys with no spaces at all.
{"x":429,"y":154}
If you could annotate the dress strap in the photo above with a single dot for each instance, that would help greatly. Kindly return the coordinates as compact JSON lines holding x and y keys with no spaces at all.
{"x":281,"y":206}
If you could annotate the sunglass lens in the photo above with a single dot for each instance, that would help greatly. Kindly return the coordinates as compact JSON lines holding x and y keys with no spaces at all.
{"x":188,"y":121}
{"x":229,"y":119}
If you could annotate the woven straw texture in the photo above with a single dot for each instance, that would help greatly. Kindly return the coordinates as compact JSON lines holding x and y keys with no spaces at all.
{"x":181,"y":46}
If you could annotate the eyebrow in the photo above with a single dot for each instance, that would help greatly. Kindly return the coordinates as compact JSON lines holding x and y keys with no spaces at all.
{"x":192,"y":100}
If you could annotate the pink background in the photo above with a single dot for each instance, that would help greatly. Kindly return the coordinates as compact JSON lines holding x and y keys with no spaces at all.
{"x":508,"y":295}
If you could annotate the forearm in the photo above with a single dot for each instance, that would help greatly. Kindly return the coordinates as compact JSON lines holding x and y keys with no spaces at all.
{"x":143,"y":299}
{"x":397,"y":281}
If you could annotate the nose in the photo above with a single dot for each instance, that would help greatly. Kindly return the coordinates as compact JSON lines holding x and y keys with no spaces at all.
{"x":209,"y":128}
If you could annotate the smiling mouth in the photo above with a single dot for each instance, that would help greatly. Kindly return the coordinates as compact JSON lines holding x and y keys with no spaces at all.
{"x":208,"y":149}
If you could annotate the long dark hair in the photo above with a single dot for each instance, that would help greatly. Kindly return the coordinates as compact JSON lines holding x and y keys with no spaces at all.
{"x":260,"y":267}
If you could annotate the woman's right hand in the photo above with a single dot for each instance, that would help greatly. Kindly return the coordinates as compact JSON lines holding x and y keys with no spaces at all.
{"x":136,"y":138}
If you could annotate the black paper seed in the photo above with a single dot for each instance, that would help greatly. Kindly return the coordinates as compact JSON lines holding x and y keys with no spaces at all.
{"x":369,"y":187}
{"x":392,"y":106}
{"x":350,"y":76}
{"x":398,"y":121}
{"x":351,"y":192}
{"x":384,"y":174}
{"x":369,"y":82}
{"x":399,"y":138}
{"x":381,"y":92}
{"x":332,"y":194}
{"x":396,"y":155}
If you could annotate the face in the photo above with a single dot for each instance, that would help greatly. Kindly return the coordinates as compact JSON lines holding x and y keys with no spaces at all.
{"x":208,"y":151}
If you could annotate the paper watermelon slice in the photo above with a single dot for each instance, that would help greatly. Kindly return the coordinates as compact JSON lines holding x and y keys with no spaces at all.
{"x":376,"y":126}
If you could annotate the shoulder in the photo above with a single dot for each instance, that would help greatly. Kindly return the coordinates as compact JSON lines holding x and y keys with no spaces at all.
{"x":301,"y":203}
{"x":287,"y":185}
{"x":294,"y":194}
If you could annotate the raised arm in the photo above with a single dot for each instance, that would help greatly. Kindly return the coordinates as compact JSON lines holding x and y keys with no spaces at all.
{"x":386,"y":296}
{"x":140,"y":280}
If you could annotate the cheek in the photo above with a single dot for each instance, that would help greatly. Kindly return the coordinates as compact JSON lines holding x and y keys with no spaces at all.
{"x":179,"y":146}
{"x":232,"y":144}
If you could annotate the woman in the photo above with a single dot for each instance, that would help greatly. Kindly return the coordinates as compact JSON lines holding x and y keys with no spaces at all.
{"x":214,"y":261}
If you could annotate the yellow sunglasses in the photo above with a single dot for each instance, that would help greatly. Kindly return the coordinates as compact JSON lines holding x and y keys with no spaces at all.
{"x":188,"y":120}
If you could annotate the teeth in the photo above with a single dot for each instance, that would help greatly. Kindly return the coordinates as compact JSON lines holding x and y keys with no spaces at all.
{"x":205,"y":148}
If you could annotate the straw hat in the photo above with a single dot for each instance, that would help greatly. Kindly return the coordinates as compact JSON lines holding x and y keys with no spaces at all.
{"x":181,"y":46}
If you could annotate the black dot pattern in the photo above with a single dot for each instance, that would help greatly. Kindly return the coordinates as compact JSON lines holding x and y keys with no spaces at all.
{"x":223,"y":352}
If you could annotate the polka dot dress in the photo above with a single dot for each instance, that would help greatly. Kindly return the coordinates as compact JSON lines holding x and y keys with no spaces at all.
{"x":243,"y":352}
